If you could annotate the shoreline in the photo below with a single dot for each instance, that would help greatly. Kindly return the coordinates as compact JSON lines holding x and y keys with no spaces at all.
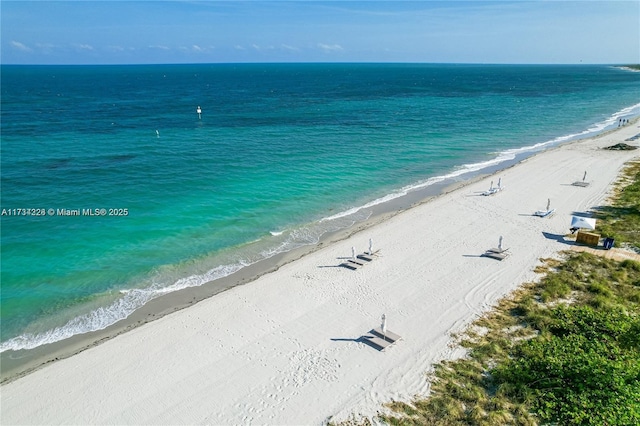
{"x":293,"y":336}
{"x":17,"y":364}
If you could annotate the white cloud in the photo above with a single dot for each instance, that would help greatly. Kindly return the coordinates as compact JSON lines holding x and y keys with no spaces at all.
{"x":330,"y":47}
{"x":85,"y":47}
{"x":197,"y":48}
{"x":20,"y":46}
{"x":46,"y":47}
{"x":159,"y":46}
{"x":263,"y":48}
{"x":288,"y":47}
{"x":238,"y":47}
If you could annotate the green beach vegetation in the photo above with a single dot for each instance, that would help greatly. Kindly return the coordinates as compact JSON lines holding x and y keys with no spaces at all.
{"x":561,"y":351}
{"x":621,"y":219}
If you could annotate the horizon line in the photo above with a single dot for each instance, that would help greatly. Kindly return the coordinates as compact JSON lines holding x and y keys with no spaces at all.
{"x":330,"y":63}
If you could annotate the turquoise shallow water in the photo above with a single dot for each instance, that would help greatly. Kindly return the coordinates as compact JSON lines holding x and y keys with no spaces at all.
{"x":282,"y":154}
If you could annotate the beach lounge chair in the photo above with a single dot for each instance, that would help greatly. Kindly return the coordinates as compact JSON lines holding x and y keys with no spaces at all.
{"x":380,"y":337}
{"x":386,"y":335}
{"x":350,"y":265}
{"x":494,"y":190}
{"x":499,"y":249}
{"x":353,"y":262}
{"x":547,"y":212}
{"x":544,"y":213}
{"x":356,"y":262}
{"x":583,"y":183}
{"x":498,"y":253}
{"x":493,"y":255}
{"x":369,"y":255}
{"x":378,"y":342}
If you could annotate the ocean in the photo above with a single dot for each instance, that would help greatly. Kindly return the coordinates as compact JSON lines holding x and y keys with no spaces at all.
{"x":116,"y":191}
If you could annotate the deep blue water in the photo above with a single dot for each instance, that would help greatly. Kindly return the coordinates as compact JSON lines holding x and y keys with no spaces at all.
{"x":281,"y":154}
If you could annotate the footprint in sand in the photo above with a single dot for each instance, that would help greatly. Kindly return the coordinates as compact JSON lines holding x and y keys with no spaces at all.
{"x":309,"y":365}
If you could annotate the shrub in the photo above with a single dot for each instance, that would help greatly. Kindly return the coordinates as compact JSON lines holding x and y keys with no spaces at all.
{"x":585,"y":370}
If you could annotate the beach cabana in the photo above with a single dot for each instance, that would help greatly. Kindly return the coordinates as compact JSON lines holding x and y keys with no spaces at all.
{"x":579,"y":222}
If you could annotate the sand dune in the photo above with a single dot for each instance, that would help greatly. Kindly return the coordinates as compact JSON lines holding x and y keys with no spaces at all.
{"x":287,"y":348}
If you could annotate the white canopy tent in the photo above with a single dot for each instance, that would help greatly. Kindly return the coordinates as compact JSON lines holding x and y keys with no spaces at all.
{"x":582,"y":223}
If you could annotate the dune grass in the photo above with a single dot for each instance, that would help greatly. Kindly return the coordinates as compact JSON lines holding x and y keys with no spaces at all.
{"x":562,"y":351}
{"x":621,"y":219}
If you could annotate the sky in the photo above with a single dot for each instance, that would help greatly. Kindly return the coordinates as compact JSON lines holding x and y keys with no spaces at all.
{"x":161,"y":32}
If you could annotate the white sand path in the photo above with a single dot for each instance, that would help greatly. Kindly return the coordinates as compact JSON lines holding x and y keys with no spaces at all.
{"x":284,"y":349}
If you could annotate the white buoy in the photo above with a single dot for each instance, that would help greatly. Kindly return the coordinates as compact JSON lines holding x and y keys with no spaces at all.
{"x":199,"y":111}
{"x":157,"y":133}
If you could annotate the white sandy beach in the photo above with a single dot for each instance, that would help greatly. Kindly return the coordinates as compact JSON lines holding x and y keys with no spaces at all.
{"x":286,"y":348}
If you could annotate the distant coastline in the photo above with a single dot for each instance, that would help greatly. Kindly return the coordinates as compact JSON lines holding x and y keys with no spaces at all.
{"x":635,"y":68}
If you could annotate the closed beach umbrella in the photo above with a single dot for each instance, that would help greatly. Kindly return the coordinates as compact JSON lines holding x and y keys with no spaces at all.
{"x":384,"y":326}
{"x":353,"y":253}
{"x":583,"y":222}
{"x":370,"y":246}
